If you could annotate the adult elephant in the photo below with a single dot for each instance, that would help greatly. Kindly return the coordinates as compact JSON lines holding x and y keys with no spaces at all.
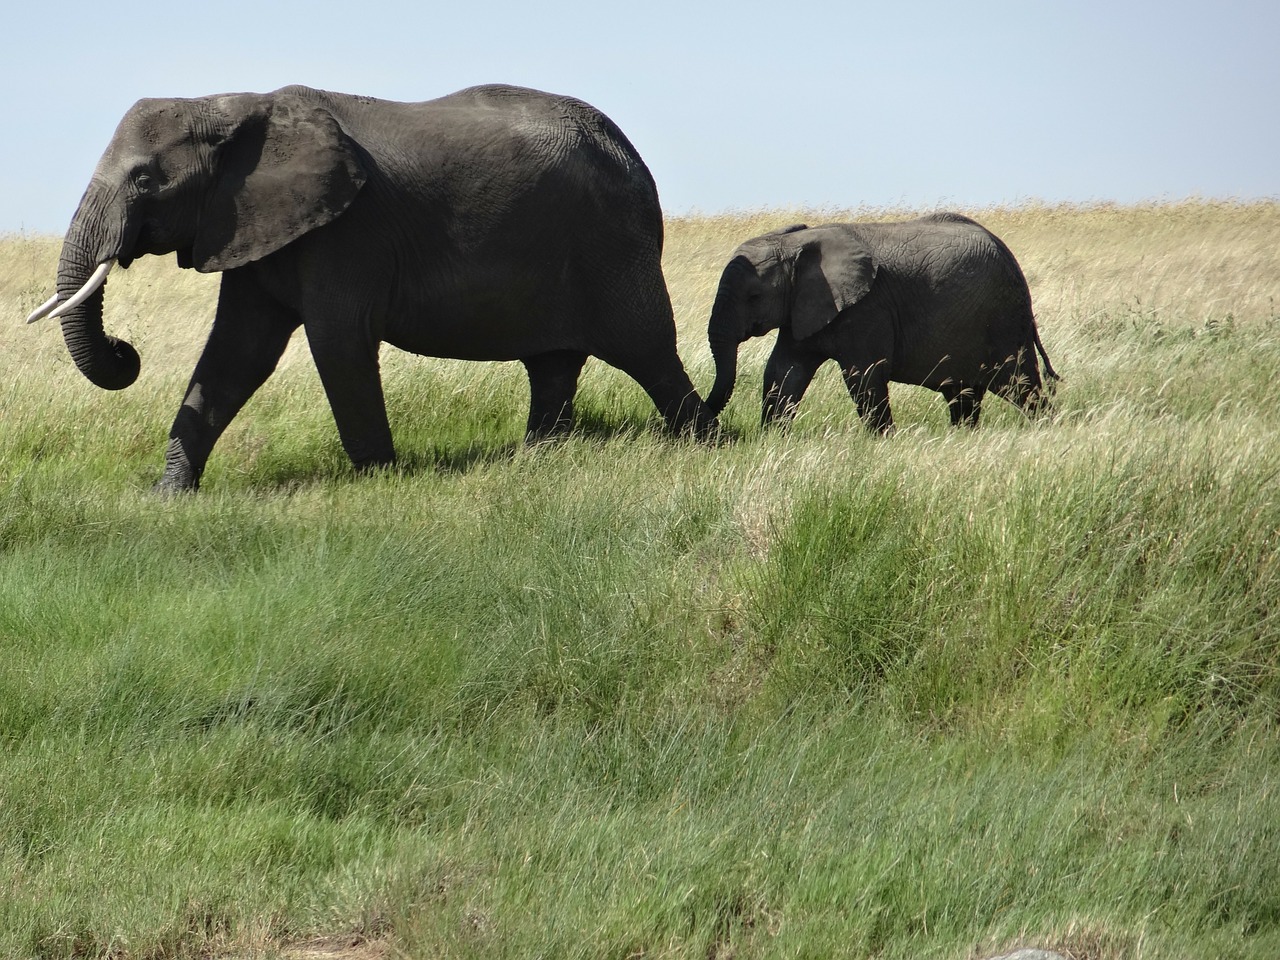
{"x":496,"y":223}
{"x":939,"y":302}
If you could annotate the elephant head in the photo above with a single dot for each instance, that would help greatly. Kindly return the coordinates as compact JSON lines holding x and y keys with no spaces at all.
{"x":221,"y":181}
{"x":799,"y":276}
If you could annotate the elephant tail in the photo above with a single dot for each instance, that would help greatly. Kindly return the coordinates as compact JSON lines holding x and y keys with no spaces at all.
{"x":1049,"y":372}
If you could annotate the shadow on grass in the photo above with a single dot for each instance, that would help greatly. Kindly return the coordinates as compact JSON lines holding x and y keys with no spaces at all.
{"x":329,"y":465}
{"x":455,"y":460}
{"x":592,"y":425}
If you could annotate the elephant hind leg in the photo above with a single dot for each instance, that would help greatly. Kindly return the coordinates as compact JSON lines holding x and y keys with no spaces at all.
{"x":1033,"y":401}
{"x":654,"y":364}
{"x":1029,"y":397}
{"x":553,"y":382}
{"x":1019,"y":382}
{"x":965,"y":403}
{"x":673,"y":393}
{"x":636,"y":334}
{"x":665,"y":380}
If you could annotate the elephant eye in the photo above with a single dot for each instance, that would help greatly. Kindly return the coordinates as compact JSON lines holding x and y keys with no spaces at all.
{"x":144,"y":182}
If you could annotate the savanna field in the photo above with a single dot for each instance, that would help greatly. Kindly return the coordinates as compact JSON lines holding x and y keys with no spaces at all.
{"x":805,"y":693}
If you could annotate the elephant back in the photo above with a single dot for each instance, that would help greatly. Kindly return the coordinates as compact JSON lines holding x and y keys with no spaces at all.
{"x":566,"y":123}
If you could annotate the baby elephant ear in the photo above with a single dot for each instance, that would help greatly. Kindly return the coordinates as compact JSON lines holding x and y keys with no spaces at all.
{"x":833,"y":271}
{"x":285,"y":168}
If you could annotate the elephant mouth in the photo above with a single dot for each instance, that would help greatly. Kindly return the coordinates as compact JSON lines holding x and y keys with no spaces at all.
{"x":142,"y":242}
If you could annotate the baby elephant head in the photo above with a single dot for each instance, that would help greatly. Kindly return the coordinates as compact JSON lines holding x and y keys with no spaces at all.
{"x":800,"y":277}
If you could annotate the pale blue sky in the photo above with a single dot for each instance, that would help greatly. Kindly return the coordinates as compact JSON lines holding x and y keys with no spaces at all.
{"x":747,"y":105}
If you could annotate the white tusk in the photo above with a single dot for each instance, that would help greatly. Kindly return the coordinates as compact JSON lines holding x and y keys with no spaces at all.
{"x":41,"y":311}
{"x":84,"y":293}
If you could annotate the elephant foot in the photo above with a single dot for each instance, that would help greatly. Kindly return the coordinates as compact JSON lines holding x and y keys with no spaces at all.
{"x":882,"y":430}
{"x":545,"y":438}
{"x":691,"y":417}
{"x":168,"y":488}
{"x":180,"y":474}
{"x":718,"y":434}
{"x":544,"y":429}
{"x":706,"y":426}
{"x":376,"y":464}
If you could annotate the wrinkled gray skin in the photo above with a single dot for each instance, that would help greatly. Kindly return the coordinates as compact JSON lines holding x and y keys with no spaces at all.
{"x":939,"y":302}
{"x":497,"y":223}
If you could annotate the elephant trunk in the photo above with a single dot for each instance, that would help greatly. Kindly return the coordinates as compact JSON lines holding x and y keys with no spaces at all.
{"x":725,"y":353}
{"x":106,"y":361}
{"x":724,"y":333}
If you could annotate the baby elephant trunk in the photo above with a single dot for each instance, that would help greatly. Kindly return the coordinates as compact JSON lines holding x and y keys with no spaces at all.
{"x":725,"y":331}
{"x":725,"y":354}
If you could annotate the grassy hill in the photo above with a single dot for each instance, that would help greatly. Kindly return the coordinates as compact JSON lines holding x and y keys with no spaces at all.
{"x":809,"y":693}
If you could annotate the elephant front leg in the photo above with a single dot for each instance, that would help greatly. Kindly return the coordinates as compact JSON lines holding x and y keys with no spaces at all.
{"x":787,"y":376}
{"x":870,"y":391}
{"x":553,"y":381}
{"x":249,"y":334}
{"x":353,"y":383}
{"x":965,"y":403}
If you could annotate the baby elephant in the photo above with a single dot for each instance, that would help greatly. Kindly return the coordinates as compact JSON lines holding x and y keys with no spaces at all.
{"x":939,"y":302}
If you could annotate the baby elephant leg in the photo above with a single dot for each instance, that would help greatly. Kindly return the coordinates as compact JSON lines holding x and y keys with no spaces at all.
{"x":787,"y":376}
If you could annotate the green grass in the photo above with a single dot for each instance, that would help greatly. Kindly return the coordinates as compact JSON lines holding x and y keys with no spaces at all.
{"x":806,"y":693}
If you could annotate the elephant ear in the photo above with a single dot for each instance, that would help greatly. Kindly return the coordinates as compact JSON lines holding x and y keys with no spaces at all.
{"x":833,"y":271}
{"x":285,"y":168}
